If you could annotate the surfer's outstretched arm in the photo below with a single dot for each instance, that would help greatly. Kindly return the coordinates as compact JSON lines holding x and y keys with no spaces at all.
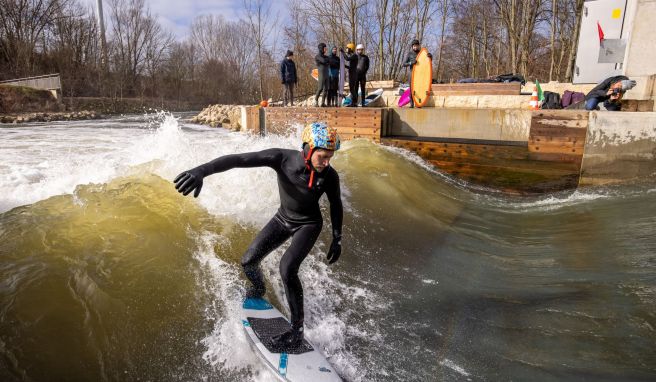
{"x":192,"y":180}
{"x":336,"y":217}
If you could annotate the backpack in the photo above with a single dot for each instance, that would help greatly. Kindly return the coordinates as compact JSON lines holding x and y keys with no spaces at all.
{"x":570,"y":98}
{"x":551,"y":101}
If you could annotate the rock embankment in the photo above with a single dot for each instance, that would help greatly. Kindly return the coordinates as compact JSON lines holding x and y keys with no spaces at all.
{"x":226,"y":116}
{"x":48,"y":117}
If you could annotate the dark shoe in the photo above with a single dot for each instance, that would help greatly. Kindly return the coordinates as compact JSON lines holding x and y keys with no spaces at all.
{"x":287,"y":340}
{"x":253,"y":292}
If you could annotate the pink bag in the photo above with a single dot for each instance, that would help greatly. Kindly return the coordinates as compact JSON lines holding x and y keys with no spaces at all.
{"x":405,"y":98}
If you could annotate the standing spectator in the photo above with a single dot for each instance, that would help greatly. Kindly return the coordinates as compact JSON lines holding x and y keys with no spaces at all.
{"x":352,"y":66}
{"x":363,"y":68}
{"x":410,"y":61}
{"x":322,"y":67}
{"x":333,"y":76}
{"x":288,"y":77}
{"x":610,"y":92}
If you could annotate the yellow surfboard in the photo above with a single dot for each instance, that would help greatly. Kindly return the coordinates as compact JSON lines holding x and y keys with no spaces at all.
{"x":422,"y":78}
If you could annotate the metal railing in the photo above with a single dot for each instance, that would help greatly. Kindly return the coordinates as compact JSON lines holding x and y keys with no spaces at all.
{"x":46,"y":82}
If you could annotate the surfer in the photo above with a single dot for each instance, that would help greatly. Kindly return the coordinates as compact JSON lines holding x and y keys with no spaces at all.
{"x":288,"y":76}
{"x":351,"y":60}
{"x":303,"y":177}
{"x":322,"y":67}
{"x":411,"y":60}
{"x":333,"y":76}
{"x":363,"y":68}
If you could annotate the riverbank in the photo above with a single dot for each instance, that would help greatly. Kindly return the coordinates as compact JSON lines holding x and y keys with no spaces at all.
{"x":226,"y":116}
{"x":21,"y":104}
{"x":49,"y":117}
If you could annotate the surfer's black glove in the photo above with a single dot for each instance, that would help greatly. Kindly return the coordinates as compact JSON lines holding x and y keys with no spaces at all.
{"x":430,"y":56}
{"x":190,"y":180}
{"x":335,"y":250}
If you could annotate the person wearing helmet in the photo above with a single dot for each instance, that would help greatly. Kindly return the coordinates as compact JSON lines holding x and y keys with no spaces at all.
{"x":351,"y":63}
{"x":303,"y":177}
{"x":411,"y":60}
{"x":363,"y":68}
{"x":322,"y":67}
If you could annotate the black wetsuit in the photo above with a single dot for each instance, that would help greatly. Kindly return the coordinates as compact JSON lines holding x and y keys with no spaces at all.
{"x":299,"y":216}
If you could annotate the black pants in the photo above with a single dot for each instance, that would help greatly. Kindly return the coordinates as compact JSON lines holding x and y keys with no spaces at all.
{"x":289,"y":93}
{"x":362,"y":82}
{"x":333,"y":84}
{"x":276,"y":232}
{"x":322,"y":87}
{"x":353,"y":88}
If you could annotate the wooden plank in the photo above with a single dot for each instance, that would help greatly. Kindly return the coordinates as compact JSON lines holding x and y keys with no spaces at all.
{"x":556,"y":149}
{"x":477,"y":89}
{"x":358,"y":130}
{"x":557,"y":132}
{"x":561,"y":114}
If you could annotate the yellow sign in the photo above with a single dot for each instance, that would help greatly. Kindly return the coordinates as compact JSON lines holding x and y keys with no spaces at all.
{"x":617,"y":13}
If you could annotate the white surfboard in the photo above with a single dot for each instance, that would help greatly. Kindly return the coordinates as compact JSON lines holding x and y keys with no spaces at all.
{"x":303,"y":363}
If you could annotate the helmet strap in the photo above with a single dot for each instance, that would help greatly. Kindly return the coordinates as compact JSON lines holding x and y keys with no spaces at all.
{"x":308,"y":163}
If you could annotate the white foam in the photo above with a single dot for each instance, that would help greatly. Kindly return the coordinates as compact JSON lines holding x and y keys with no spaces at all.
{"x":453,"y":366}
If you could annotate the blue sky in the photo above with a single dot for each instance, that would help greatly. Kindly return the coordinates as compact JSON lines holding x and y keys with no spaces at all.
{"x":177,"y":15}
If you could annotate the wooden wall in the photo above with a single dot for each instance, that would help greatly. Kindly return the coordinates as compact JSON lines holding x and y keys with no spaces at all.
{"x":549,"y":161}
{"x":351,"y":123}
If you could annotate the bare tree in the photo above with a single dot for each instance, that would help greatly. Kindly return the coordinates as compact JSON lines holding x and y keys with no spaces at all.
{"x":261,"y":21}
{"x":22,"y":26}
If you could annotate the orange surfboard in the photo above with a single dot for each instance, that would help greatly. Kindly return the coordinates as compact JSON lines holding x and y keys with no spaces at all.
{"x":315,"y":74}
{"x":422,"y":78}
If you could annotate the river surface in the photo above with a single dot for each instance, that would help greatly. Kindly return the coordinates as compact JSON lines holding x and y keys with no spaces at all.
{"x":108,"y":274}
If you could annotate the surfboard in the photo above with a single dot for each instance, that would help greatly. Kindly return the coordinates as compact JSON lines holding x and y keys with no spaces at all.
{"x":261,"y":321}
{"x":372,"y":99}
{"x":422,"y":78}
{"x":342,"y":75}
{"x":315,"y":74}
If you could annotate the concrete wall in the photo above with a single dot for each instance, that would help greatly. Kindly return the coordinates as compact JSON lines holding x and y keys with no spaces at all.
{"x":619,"y":147}
{"x":484,"y":124}
{"x":641,"y":57}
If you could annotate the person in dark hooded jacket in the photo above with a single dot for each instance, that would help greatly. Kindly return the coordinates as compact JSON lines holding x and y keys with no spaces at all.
{"x":322,"y":67}
{"x":288,"y":77}
{"x":333,"y":76}
{"x":411,"y":60}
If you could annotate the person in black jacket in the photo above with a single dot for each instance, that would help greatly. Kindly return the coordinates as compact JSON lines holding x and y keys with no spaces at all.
{"x":303,"y":177}
{"x":610,"y":92}
{"x":288,"y":77}
{"x":333,"y":76}
{"x":352,"y":65}
{"x":363,"y":68}
{"x":411,"y":60}
{"x":322,"y":67}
